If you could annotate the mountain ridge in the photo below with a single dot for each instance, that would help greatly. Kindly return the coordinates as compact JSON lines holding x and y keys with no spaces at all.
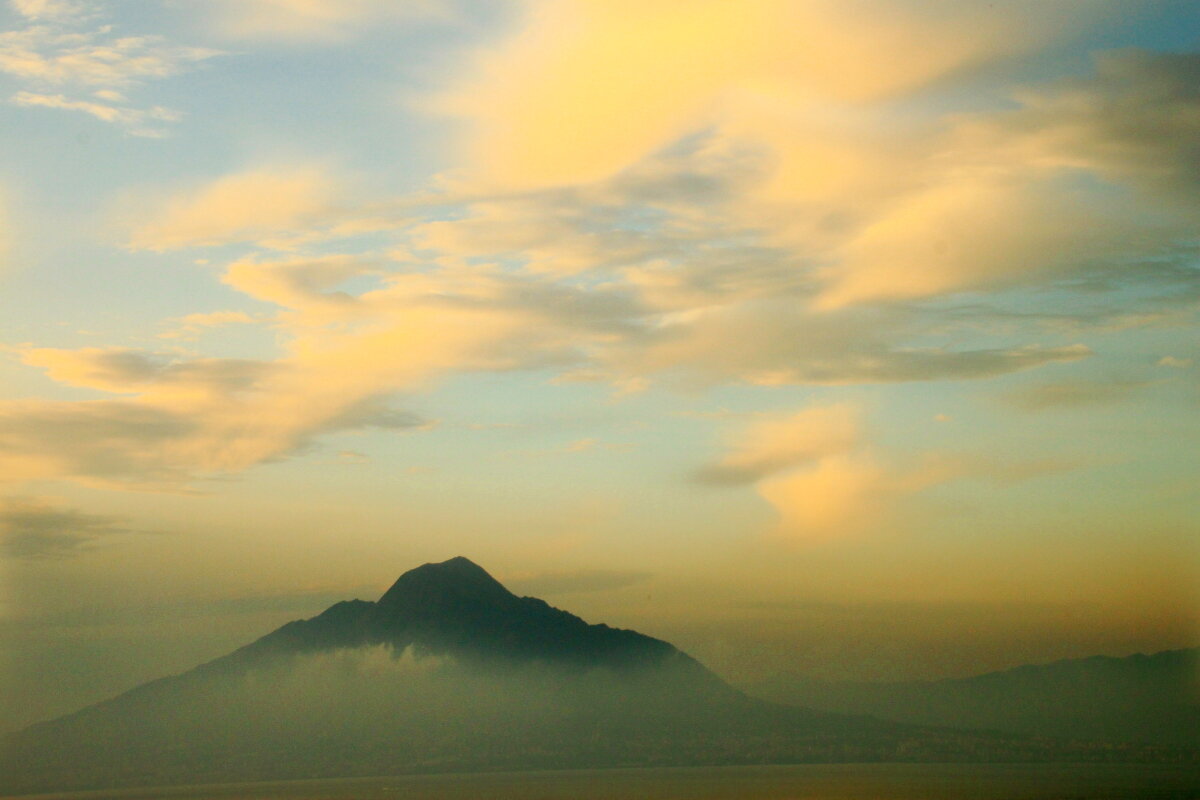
{"x":1151,"y":698}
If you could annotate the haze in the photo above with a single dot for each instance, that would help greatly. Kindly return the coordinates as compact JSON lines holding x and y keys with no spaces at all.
{"x":855,"y":340}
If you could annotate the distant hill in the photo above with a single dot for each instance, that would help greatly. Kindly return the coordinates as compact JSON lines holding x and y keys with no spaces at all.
{"x":1143,"y":698}
{"x":451,"y":672}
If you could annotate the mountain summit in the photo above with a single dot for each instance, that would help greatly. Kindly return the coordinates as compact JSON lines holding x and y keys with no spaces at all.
{"x":455,"y":582}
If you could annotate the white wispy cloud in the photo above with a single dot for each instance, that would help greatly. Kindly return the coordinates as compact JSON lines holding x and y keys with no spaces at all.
{"x":139,"y":121}
{"x":192,"y":326}
{"x":319,"y":21}
{"x":72,"y":64}
{"x":50,"y":9}
{"x":98,"y":58}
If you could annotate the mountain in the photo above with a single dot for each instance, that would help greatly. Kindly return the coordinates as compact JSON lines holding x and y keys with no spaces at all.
{"x":1151,"y":699}
{"x":449,"y":671}
{"x":455,"y":607}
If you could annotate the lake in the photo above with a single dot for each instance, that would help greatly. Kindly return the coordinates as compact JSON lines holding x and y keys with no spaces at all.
{"x":798,"y":782}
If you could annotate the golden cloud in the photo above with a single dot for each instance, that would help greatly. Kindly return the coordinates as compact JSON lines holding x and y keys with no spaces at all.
{"x":813,"y":467}
{"x":256,"y":204}
{"x":587,"y":88}
{"x":824,"y":479}
{"x":859,"y":180}
{"x":184,"y":417}
{"x":776,"y":443}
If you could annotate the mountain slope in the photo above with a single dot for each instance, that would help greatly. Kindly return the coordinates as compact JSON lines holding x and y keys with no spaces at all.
{"x":1143,"y":698}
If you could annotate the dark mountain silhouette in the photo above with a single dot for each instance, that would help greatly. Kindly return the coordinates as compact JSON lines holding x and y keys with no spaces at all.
{"x":455,"y":607}
{"x":1142,"y":698}
{"x":449,"y":671}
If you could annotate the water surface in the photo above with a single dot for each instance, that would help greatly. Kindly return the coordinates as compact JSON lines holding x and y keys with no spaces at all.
{"x":799,"y":782}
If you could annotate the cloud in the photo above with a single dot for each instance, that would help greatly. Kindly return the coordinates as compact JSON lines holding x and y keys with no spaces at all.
{"x":344,"y":356}
{"x":49,"y":9}
{"x":5,"y":231}
{"x":248,"y":205}
{"x":139,"y":121}
{"x":303,"y":602}
{"x":1006,"y":203}
{"x":972,"y":232}
{"x":552,"y":103}
{"x":1132,"y":121}
{"x":352,"y":457}
{"x":53,"y":56}
{"x":774,"y":342}
{"x":191,"y":326}
{"x":34,"y":529}
{"x":107,"y":442}
{"x":775,"y":247}
{"x":53,"y":53}
{"x":125,"y":370}
{"x":298,"y":283}
{"x":776,"y":443}
{"x":822,"y":476}
{"x":686,"y":290}
{"x":320,"y":21}
{"x":1072,"y":394}
{"x":813,"y":467}
{"x":831,"y":499}
{"x":859,"y":185}
{"x":663,"y":290}
{"x":184,"y":418}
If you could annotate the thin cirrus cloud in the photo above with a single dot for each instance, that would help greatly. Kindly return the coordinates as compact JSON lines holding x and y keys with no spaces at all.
{"x":96,"y":59}
{"x":35,"y":529}
{"x":190,"y":327}
{"x":576,"y":581}
{"x":69,"y":63}
{"x":319,"y":21}
{"x":49,"y":9}
{"x":5,"y":230}
{"x":1132,"y":120}
{"x":125,"y":370}
{"x":249,"y":205}
{"x":298,"y":283}
{"x":179,"y":419}
{"x":141,"y":121}
{"x":1074,"y":394}
{"x":182,"y":418}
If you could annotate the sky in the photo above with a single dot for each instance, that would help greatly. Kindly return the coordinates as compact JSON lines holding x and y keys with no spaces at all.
{"x":850,"y":339}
